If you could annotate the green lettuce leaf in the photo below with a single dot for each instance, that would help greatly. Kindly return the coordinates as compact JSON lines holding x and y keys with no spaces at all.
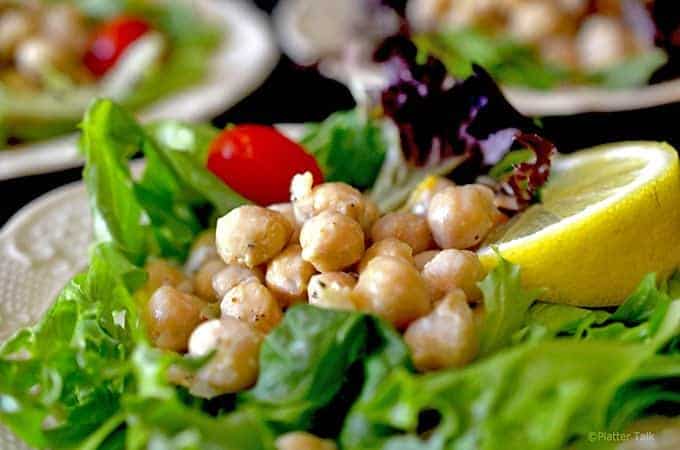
{"x":637,"y":319}
{"x":532,"y":396}
{"x":349,"y":147}
{"x":63,"y":378}
{"x":506,"y":303}
{"x":157,"y":214}
{"x":313,"y":365}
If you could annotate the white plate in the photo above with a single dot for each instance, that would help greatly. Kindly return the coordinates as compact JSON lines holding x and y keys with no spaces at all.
{"x":245,"y":58}
{"x":297,"y":24}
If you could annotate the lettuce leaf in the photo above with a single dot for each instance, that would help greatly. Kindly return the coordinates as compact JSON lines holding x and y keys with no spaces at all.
{"x":314,"y":364}
{"x":532,"y":396}
{"x":638,"y":319}
{"x":158,"y":213}
{"x":63,"y":379}
{"x":349,"y":147}
{"x":505,"y":305}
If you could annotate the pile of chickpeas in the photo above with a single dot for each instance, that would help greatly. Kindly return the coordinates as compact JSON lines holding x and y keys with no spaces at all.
{"x":36,"y":36}
{"x":587,"y":35}
{"x":329,"y":247}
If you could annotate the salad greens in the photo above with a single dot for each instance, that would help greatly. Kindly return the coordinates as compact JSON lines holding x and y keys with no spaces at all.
{"x":349,"y":146}
{"x":87,"y":377}
{"x":180,"y":59}
{"x":516,"y":64}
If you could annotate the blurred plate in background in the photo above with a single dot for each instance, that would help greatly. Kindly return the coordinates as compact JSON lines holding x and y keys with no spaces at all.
{"x":311,"y":30}
{"x":245,"y":58}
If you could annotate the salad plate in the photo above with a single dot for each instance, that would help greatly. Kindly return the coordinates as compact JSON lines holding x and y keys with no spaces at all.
{"x":309,"y":34}
{"x":243,"y":59}
{"x":427,"y":273}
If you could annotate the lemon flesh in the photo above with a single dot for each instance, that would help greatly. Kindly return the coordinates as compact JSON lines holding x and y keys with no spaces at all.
{"x":608,"y":216}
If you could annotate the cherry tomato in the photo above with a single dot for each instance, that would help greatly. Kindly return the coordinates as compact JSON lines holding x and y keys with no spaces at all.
{"x":111,"y":40}
{"x":259,"y":162}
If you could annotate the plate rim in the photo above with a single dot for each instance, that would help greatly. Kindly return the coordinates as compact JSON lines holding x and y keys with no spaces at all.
{"x":243,"y":22}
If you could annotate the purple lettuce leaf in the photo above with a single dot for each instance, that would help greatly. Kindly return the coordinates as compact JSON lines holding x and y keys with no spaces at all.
{"x":439,"y":117}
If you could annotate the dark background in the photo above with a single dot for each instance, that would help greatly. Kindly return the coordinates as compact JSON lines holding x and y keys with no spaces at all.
{"x":292,"y":94}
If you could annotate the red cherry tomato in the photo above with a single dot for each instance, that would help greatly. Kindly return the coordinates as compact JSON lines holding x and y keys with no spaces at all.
{"x":259,"y":162}
{"x":111,"y":40}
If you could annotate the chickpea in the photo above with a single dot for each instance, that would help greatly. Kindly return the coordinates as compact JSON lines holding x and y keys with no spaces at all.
{"x":423,"y":258}
{"x":171,"y":316}
{"x":163,"y":273}
{"x":392,"y":289}
{"x":251,"y":235}
{"x":64,"y":24}
{"x":235,"y":364}
{"x":32,"y":56}
{"x":331,"y":241}
{"x":287,"y":211}
{"x":299,"y":440}
{"x":339,"y":197}
{"x":233,"y":275}
{"x":600,"y":43}
{"x":287,"y":276}
{"x":461,"y":217}
{"x":454,"y":269}
{"x":252,"y":303}
{"x":202,"y":250}
{"x":332,"y":290}
{"x":406,"y":227}
{"x":421,"y":197}
{"x":370,"y":216}
{"x":445,"y":338}
{"x":534,"y":20}
{"x":15,"y":26}
{"x":387,"y":247}
{"x":203,"y":280}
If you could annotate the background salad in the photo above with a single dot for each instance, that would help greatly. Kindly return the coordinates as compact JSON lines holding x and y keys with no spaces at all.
{"x":58,"y":55}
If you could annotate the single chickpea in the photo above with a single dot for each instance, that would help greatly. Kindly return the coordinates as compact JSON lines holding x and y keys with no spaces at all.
{"x":64,"y":24}
{"x":454,"y":269}
{"x":235,"y":364}
{"x":338,"y":197}
{"x":171,"y":316}
{"x":421,"y":197}
{"x":331,"y":241}
{"x":370,"y":216}
{"x":252,"y":303}
{"x":299,"y":440}
{"x":423,"y":258}
{"x":288,"y":275}
{"x":251,"y":235}
{"x":406,"y":227}
{"x":387,"y":247}
{"x":202,"y":250}
{"x":447,"y":337}
{"x":332,"y":290}
{"x":36,"y":54}
{"x":203,"y":280}
{"x":461,"y":217}
{"x":533,"y":21}
{"x":163,"y":273}
{"x":287,"y":211}
{"x":15,"y":26}
{"x":233,"y":275}
{"x":392,"y":289}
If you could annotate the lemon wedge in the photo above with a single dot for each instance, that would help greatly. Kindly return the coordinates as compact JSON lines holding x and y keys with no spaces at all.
{"x":607,"y":217}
